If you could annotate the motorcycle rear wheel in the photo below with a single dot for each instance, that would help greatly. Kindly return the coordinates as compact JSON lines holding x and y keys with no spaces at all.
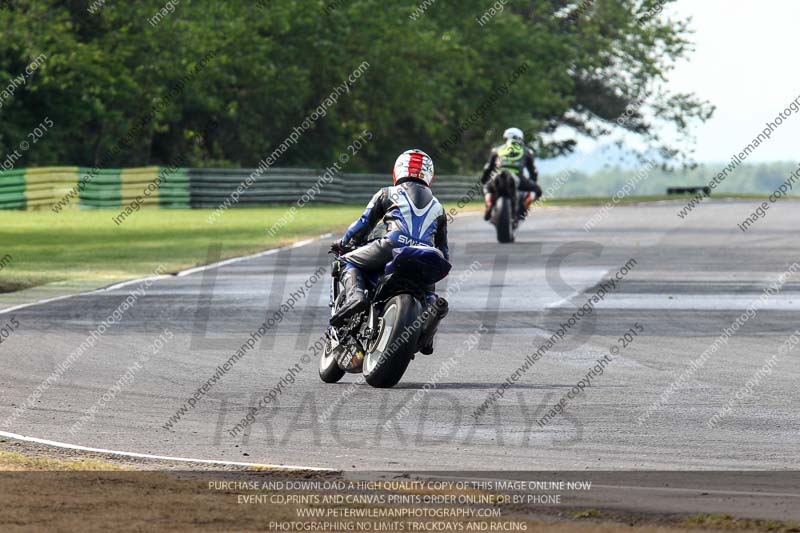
{"x":503,"y":219}
{"x":389,"y":355}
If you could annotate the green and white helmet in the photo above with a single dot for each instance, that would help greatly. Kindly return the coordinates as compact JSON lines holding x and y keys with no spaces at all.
{"x":513,"y":134}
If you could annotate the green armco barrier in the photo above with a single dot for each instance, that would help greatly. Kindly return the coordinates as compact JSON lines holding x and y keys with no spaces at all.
{"x":103,"y":190}
{"x":174,"y":190}
{"x":12,"y":189}
{"x":62,"y":188}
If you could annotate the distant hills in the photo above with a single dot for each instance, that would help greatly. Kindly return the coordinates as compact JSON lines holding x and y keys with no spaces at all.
{"x":593,"y":177}
{"x":589,"y":161}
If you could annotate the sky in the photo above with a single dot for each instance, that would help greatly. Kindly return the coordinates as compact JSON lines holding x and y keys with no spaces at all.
{"x":743,"y":64}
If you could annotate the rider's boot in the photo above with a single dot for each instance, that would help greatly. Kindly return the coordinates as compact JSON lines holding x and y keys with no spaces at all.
{"x":355,"y":300}
{"x":524,"y":206}
{"x":437,"y":310}
{"x":487,"y":214}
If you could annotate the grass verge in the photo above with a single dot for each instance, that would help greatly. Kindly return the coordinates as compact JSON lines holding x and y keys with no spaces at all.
{"x":579,"y":201}
{"x":730,"y":523}
{"x":17,"y":462}
{"x":100,"y":496}
{"x":44,"y":247}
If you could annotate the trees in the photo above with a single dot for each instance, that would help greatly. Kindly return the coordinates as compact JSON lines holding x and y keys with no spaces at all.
{"x":437,"y":76}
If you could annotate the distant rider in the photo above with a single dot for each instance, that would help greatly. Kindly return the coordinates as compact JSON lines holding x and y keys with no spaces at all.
{"x":413,"y":216}
{"x":516,"y":158}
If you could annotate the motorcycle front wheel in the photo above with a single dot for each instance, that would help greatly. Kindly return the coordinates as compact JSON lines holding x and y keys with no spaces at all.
{"x":396,"y":341}
{"x":329,"y":369}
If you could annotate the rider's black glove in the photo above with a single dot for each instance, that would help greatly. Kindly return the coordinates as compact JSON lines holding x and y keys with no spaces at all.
{"x":337,"y":247}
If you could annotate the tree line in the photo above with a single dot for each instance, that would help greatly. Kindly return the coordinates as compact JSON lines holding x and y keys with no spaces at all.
{"x":124,"y":92}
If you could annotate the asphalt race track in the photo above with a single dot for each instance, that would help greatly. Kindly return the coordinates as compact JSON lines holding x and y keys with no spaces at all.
{"x":691,"y":279}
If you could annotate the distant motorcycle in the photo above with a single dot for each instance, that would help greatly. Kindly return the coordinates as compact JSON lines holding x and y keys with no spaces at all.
{"x":505,"y":207}
{"x":381,"y":341}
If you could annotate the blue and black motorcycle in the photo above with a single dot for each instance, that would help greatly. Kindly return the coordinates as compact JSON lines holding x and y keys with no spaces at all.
{"x":381,"y":341}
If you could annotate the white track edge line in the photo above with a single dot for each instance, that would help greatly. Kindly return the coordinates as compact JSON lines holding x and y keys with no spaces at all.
{"x":39,"y":302}
{"x":166,"y":276}
{"x":145,"y":455}
{"x":67,"y":446}
{"x":130,"y":282}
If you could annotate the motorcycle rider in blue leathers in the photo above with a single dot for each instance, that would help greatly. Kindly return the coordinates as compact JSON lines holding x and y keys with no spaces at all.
{"x":413,"y":216}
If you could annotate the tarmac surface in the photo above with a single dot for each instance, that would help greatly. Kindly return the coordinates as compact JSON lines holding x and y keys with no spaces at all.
{"x":651,"y":407}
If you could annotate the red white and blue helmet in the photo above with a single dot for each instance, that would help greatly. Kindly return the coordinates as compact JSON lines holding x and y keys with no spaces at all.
{"x":413,"y":164}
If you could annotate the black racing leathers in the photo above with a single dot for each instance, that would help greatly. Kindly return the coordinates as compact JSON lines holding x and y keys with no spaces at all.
{"x":516,"y":158}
